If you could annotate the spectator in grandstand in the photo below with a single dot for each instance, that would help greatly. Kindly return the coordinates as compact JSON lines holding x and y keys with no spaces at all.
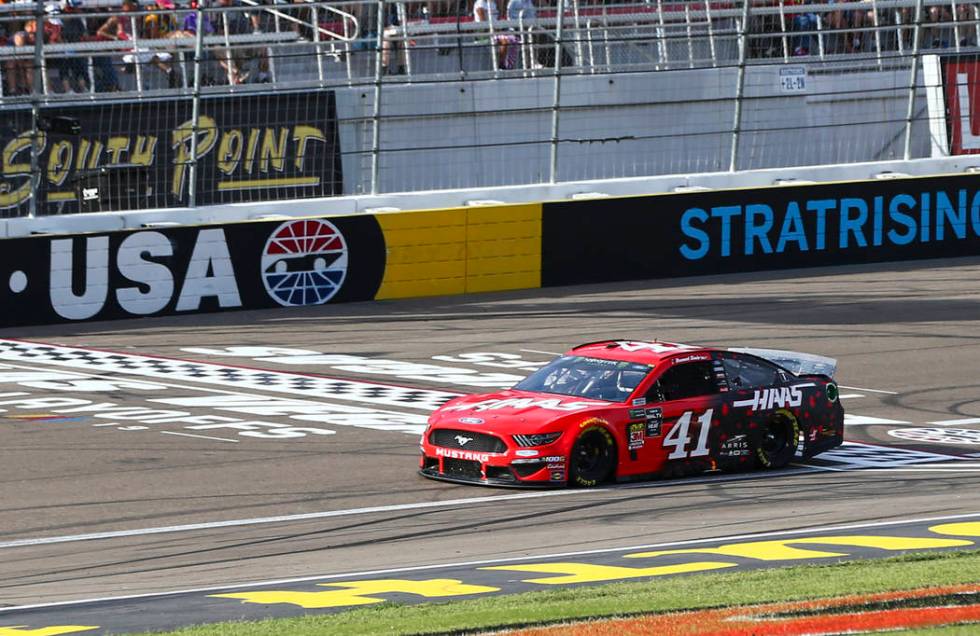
{"x":389,"y":41}
{"x":521,"y":9}
{"x":841,"y":22}
{"x":18,"y":72}
{"x":938,"y":27}
{"x":74,"y":77}
{"x":235,"y":60}
{"x":188,"y":27}
{"x":506,"y":43}
{"x":803,"y":22}
{"x":162,"y":24}
{"x":121,"y":27}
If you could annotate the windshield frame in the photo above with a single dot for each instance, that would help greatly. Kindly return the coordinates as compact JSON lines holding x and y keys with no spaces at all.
{"x":609,"y":380}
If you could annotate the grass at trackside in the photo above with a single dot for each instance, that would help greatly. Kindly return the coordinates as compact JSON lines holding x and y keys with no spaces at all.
{"x":619,"y":599}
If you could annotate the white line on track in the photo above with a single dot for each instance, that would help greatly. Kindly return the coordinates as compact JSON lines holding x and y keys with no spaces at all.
{"x":558,"y":555}
{"x":547,"y":353}
{"x":138,"y":532}
{"x":968,"y":420}
{"x":220,"y":439}
{"x":113,"y":534}
{"x":857,"y":388}
{"x":865,"y":420}
{"x":927,"y":469}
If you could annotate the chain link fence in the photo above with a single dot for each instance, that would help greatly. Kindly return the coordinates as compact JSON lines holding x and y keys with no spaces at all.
{"x":123,"y":106}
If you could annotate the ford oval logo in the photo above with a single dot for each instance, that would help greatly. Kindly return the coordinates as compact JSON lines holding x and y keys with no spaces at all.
{"x":470,"y":420}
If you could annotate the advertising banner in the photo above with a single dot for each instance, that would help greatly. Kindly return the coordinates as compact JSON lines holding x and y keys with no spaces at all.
{"x":171,"y":271}
{"x":730,"y":231}
{"x":961,"y":84}
{"x":136,"y":155}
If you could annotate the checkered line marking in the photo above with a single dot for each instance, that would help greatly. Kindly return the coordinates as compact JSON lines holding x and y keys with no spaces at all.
{"x":208,"y":373}
{"x":856,"y":455}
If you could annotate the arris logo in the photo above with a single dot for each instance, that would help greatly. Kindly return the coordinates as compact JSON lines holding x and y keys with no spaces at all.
{"x":304,"y":262}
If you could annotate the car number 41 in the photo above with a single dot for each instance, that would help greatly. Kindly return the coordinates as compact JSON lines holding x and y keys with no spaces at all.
{"x":679,"y":440}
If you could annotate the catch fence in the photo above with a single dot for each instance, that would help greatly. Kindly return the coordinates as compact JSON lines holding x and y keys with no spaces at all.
{"x":125,"y":107}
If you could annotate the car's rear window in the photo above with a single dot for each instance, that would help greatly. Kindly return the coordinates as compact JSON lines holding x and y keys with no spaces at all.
{"x":611,"y":380}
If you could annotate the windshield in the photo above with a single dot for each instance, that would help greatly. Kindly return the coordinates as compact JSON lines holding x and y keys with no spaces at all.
{"x":609,"y":380}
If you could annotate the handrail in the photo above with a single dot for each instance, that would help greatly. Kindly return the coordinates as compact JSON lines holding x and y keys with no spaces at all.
{"x":320,"y":6}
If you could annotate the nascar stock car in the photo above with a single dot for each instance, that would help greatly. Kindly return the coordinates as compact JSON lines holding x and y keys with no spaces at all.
{"x":625,"y":410}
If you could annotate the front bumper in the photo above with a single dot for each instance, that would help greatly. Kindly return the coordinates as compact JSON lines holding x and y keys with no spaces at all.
{"x":546,"y":470}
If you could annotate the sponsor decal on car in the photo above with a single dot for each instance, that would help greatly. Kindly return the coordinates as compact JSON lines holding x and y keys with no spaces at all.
{"x":525,"y":403}
{"x":636,"y":440}
{"x":525,"y":452}
{"x":654,"y":419}
{"x":697,"y":357}
{"x":655,"y":347}
{"x":776,"y":397}
{"x":458,"y":454}
{"x":639,"y":401}
{"x":735,"y":446}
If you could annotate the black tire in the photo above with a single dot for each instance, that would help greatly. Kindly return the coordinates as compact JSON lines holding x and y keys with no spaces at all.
{"x":777,"y":444}
{"x":593,"y":457}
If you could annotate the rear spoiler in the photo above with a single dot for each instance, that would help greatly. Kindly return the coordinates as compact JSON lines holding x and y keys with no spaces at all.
{"x":798,"y":363}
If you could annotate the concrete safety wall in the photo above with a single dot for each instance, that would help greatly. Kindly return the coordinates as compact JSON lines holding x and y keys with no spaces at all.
{"x":331,"y":259}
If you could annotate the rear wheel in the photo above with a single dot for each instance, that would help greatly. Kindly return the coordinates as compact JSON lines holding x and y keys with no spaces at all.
{"x":593,"y":457}
{"x":778,"y":443}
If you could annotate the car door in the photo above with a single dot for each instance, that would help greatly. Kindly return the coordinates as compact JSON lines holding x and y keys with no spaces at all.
{"x":757,"y":395}
{"x":680,"y":407}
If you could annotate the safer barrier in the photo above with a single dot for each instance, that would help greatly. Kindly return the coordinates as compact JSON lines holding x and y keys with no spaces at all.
{"x":781,"y":227}
{"x":253,"y":265}
{"x":312,"y":261}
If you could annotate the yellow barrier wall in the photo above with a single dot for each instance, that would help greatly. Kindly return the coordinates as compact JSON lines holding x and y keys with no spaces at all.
{"x":461,"y":250}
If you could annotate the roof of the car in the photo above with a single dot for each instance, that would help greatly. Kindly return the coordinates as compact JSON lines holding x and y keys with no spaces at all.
{"x":640,"y":351}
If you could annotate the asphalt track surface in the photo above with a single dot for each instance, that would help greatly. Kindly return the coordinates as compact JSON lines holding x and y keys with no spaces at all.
{"x":177,"y":503}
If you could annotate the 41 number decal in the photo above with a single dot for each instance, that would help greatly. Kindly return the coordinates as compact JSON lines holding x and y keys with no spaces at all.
{"x":679,"y":439}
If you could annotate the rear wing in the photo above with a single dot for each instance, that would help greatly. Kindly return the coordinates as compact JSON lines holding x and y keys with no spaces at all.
{"x":798,"y":363}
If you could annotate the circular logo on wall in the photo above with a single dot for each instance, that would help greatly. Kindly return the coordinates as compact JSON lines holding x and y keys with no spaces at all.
{"x":304,"y":262}
{"x":938,"y":435}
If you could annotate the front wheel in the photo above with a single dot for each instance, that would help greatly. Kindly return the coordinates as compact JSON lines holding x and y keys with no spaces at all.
{"x":778,"y":443}
{"x":593,"y":457}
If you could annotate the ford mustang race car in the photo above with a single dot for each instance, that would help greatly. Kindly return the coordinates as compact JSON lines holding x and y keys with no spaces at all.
{"x":625,"y":410}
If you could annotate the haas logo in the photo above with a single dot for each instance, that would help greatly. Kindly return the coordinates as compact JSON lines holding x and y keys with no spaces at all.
{"x":781,"y":397}
{"x":304,"y":262}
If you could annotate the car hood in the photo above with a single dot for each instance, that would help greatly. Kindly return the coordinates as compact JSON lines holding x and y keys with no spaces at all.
{"x":512,"y":410}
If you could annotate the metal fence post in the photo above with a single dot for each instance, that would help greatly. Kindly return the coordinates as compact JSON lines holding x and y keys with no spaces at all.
{"x":37,"y":83}
{"x":376,"y":115}
{"x":195,"y":105}
{"x":913,"y":80}
{"x":553,"y":171}
{"x":743,"y":54}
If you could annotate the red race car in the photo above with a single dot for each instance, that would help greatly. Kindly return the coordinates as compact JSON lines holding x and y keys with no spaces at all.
{"x":625,"y":410}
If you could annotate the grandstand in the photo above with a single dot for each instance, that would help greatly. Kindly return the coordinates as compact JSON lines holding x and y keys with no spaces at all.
{"x":275,"y":101}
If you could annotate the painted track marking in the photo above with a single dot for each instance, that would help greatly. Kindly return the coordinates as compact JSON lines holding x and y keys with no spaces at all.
{"x":968,"y":420}
{"x":220,"y":439}
{"x":559,"y":555}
